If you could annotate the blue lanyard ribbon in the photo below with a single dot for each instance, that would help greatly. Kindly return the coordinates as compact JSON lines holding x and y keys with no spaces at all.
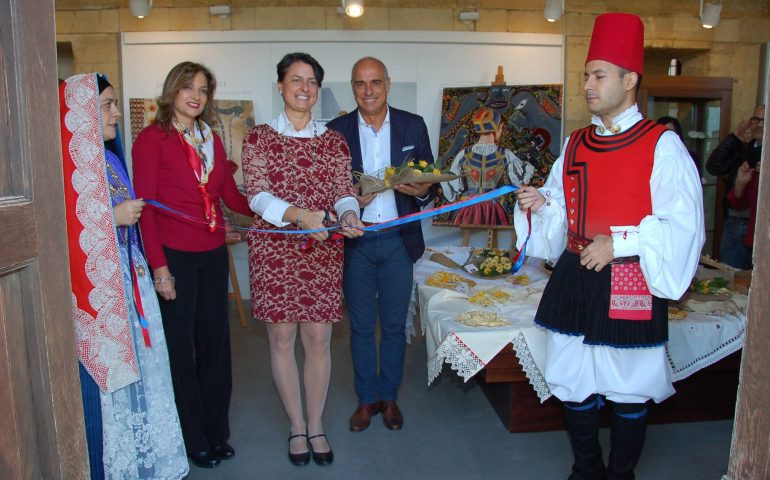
{"x":371,"y":228}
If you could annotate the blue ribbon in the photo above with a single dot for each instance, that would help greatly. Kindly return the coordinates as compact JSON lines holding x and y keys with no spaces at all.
{"x":371,"y":228}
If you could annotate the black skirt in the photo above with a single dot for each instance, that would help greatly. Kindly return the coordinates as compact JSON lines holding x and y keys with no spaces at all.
{"x":576,"y":301}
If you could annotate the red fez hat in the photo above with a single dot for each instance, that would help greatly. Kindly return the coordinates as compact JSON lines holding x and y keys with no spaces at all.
{"x":618,"y":38}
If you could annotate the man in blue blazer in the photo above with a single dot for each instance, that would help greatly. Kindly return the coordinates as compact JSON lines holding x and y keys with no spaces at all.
{"x":378,"y":275}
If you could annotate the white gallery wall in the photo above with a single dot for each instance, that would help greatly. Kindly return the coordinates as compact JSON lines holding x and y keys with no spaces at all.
{"x":244,"y":64}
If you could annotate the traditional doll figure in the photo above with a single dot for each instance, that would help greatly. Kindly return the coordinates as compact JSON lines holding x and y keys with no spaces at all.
{"x":482,"y":167}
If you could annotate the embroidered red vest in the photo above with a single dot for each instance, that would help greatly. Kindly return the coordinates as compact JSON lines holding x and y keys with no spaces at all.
{"x":607,"y":179}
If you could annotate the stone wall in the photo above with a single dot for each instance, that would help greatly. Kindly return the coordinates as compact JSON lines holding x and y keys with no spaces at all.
{"x":673,"y":30}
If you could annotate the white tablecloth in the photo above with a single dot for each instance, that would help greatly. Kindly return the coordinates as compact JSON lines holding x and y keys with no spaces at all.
{"x":694,"y":343}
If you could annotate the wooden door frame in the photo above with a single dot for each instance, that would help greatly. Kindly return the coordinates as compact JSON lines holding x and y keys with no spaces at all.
{"x":750,"y":448}
{"x":44,"y":435}
{"x":706,"y":88}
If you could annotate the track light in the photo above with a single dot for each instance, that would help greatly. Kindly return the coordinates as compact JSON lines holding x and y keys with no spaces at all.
{"x":553,"y":10}
{"x":140,"y":8}
{"x":709,"y":14}
{"x":221,"y":11}
{"x":353,"y":8}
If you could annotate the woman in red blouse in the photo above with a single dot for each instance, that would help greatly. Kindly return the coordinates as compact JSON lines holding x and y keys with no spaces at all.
{"x":179,"y":162}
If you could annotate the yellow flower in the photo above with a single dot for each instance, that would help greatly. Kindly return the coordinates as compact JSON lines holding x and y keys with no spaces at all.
{"x":389,"y":172}
{"x":410,"y":164}
{"x":499,"y":269}
{"x":423,"y":164}
{"x":436,"y":171}
{"x":487,"y":271}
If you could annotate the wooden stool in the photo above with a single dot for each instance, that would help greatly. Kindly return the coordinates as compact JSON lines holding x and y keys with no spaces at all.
{"x":236,"y":293}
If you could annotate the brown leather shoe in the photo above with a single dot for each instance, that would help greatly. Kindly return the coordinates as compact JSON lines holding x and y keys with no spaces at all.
{"x":362,"y":417}
{"x":391,"y":415}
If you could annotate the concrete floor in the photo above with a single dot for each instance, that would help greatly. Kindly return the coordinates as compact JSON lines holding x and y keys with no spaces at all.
{"x":450,"y":430}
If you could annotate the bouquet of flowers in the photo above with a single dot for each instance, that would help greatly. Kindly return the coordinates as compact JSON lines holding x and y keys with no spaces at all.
{"x":412,"y":171}
{"x":492,"y":262}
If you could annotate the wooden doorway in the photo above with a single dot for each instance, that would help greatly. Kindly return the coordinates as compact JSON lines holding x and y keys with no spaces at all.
{"x":42,"y":434}
{"x":750,"y":449}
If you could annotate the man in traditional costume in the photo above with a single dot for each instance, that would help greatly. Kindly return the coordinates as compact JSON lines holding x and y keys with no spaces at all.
{"x":625,"y":198}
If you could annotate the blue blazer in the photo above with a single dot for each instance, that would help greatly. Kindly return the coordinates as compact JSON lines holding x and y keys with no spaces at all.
{"x":406,"y":130}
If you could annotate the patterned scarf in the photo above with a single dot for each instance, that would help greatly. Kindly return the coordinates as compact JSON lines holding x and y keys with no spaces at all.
{"x":199,"y":150}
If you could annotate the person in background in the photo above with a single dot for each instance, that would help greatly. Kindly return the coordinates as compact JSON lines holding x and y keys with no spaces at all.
{"x":673,"y":124}
{"x":132,"y":427}
{"x":378,"y":275}
{"x":742,"y":146}
{"x":179,"y":162}
{"x":296,"y":171}
{"x":745,"y":194}
{"x":626,"y":200}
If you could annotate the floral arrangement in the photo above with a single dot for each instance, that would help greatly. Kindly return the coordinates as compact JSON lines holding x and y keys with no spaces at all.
{"x":412,"y":171}
{"x":709,"y":286}
{"x":494,"y":265}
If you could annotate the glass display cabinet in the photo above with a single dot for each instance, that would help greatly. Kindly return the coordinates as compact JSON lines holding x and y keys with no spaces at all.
{"x":702,"y":105}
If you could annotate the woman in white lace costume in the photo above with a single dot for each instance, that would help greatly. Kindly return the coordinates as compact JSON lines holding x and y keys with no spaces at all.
{"x":132,"y":425}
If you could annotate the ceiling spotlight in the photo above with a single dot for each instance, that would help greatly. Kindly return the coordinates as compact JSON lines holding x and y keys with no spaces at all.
{"x":553,"y":10}
{"x":353,"y":8}
{"x":140,"y":8}
{"x":709,"y":14}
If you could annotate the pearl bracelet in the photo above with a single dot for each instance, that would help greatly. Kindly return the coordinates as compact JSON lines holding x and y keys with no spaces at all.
{"x":160,"y":280}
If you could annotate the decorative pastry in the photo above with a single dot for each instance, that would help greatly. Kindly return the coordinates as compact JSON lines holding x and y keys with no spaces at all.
{"x":448,"y":280}
{"x":488,"y":297}
{"x":676,"y":313}
{"x":522,"y":280}
{"x":477,"y":318}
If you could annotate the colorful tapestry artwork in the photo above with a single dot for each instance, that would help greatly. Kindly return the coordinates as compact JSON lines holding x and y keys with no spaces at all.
{"x":235,"y":117}
{"x":494,"y":136}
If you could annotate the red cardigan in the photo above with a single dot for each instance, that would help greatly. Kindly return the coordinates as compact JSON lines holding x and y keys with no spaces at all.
{"x":161,"y":173}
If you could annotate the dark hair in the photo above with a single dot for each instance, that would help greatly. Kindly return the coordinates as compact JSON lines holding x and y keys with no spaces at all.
{"x":625,"y":71}
{"x":677,"y":126}
{"x":291,"y":58}
{"x":102,"y":83}
{"x":177,"y":78}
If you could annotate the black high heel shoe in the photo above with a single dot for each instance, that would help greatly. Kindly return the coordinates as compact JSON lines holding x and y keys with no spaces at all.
{"x":299,"y":459}
{"x":321,"y":458}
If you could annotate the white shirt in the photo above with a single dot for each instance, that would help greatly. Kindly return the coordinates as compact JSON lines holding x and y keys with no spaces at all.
{"x":375,"y":156}
{"x":272,"y":208}
{"x":668,"y":242}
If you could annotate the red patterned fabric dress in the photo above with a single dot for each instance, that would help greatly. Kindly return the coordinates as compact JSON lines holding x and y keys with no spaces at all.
{"x":288,"y":284}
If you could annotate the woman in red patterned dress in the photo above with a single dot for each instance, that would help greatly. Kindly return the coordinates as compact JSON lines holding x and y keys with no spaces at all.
{"x":298,"y":172}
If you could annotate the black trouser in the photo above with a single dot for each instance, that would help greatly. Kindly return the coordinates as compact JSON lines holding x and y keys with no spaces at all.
{"x":198,"y":338}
